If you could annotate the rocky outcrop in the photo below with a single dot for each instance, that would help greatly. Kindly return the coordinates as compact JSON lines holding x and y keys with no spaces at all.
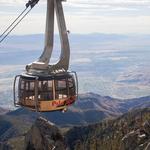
{"x":3,"y":111}
{"x":4,"y":146}
{"x":131,"y":131}
{"x":137,"y":139}
{"x":43,"y":135}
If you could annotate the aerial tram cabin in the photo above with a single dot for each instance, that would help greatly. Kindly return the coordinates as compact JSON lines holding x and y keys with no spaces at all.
{"x":45,"y":87}
{"x":48,"y":93}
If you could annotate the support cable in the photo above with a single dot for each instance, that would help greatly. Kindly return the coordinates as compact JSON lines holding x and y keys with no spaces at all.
{"x":12,"y":23}
{"x":30,"y":3}
{"x":15,"y":25}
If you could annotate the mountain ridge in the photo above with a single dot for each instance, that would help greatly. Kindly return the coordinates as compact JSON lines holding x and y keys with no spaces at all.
{"x":128,"y":132}
{"x":89,"y":109}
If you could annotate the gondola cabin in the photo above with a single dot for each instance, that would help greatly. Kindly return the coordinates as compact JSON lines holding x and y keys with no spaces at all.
{"x":45,"y":93}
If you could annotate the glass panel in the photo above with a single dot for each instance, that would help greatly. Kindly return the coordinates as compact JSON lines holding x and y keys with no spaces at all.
{"x":62,"y":84}
{"x":70,"y":82}
{"x":45,"y":90}
{"x":31,"y":86}
{"x":26,"y":90}
{"x":27,"y":85}
{"x":61,"y":89}
{"x":22,"y":83}
{"x":71,"y":86}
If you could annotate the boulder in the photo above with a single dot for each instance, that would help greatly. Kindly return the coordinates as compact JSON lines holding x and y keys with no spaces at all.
{"x":44,"y":135}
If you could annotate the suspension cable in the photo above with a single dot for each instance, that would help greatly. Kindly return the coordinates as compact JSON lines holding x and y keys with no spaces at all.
{"x":15,"y":25}
{"x":30,"y":3}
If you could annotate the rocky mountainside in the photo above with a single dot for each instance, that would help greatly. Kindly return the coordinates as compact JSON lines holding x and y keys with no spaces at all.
{"x":43,"y":135}
{"x":128,"y":132}
{"x":15,"y":125}
{"x":3,"y":111}
{"x":90,"y":108}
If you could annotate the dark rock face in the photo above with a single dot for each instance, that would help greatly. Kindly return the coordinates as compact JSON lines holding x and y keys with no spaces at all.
{"x":138,"y":139}
{"x":3,"y":111}
{"x":43,"y":135}
{"x":4,"y":146}
{"x":130,"y":131}
{"x":90,"y":108}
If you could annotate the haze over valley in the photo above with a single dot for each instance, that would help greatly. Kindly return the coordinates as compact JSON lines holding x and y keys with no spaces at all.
{"x":108,"y":64}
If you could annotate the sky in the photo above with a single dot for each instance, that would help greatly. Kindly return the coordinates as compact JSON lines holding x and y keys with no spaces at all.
{"x":83,"y":16}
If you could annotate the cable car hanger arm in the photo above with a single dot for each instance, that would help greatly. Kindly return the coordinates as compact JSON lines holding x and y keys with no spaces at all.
{"x":42,"y":64}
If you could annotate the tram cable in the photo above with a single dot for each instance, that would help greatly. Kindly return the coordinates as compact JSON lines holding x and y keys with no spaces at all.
{"x":10,"y":28}
{"x":12,"y":23}
{"x":14,"y":26}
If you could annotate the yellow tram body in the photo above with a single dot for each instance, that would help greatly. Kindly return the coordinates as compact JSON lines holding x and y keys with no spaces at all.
{"x":48,"y":93}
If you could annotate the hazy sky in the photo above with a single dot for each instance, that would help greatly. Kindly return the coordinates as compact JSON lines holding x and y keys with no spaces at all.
{"x":83,"y":16}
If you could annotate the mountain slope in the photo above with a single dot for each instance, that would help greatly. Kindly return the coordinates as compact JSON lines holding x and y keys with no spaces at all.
{"x":3,"y":111}
{"x":128,"y":132}
{"x":90,"y":108}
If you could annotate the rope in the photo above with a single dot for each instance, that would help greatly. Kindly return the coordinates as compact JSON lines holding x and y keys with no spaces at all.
{"x":15,"y":25}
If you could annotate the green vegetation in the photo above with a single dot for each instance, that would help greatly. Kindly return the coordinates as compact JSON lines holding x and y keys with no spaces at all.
{"x":121,"y":133}
{"x":109,"y":134}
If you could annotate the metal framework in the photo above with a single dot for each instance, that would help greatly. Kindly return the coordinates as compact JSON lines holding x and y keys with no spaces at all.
{"x":41,"y":66}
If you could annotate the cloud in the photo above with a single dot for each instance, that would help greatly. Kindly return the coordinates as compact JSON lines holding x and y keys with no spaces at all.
{"x":92,"y":7}
{"x":109,"y":16}
{"x":117,"y":58}
{"x":81,"y":60}
{"x":108,"y":7}
{"x":93,"y":3}
{"x":109,"y":3}
{"x":11,"y":2}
